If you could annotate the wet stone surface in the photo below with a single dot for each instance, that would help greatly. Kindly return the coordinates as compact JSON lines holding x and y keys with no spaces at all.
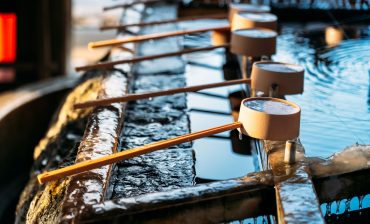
{"x":42,"y":203}
{"x":149,"y":121}
{"x":216,"y":202}
{"x":100,"y":139}
{"x":155,"y":119}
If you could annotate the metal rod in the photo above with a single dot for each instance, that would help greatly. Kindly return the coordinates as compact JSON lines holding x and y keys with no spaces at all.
{"x":189,"y":18}
{"x":251,"y":62}
{"x":153,"y":36}
{"x":290,"y":148}
{"x":244,"y":67}
{"x":274,"y":90}
{"x":130,"y":153}
{"x":138,"y":96}
{"x":110,"y":64}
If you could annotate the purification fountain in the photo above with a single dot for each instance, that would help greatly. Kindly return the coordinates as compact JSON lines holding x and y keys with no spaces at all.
{"x":283,"y":175}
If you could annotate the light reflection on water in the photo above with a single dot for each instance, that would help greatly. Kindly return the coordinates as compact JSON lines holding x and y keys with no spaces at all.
{"x":335,"y":107}
{"x":215,"y":159}
{"x":335,"y":103}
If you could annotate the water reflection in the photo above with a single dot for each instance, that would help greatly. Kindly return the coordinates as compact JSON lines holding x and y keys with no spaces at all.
{"x":222,"y":156}
{"x":335,"y":109}
{"x":216,"y":161}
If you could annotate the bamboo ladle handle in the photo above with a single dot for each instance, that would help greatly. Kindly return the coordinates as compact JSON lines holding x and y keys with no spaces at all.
{"x":110,"y":64}
{"x":138,"y":96}
{"x":189,"y":18}
{"x":130,"y":153}
{"x":153,"y":36}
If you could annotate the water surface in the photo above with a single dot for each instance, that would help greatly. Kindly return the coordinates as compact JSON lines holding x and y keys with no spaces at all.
{"x":335,"y":103}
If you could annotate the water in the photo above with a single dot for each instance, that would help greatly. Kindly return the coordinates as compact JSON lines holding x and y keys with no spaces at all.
{"x":218,"y":167}
{"x":277,"y":67}
{"x":335,"y":76}
{"x":206,"y":112}
{"x":256,"y":33}
{"x":271,"y":107}
{"x":335,"y":103}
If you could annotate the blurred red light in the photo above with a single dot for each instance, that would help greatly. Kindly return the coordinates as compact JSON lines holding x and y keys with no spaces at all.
{"x":8,"y":37}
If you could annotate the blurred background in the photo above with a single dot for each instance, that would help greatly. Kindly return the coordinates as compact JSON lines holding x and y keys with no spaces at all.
{"x":44,"y":39}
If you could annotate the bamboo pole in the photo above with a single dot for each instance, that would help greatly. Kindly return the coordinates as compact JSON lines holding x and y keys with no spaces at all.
{"x":130,"y":153}
{"x":188,"y":18}
{"x":110,"y":64}
{"x":138,"y":96}
{"x":153,"y":36}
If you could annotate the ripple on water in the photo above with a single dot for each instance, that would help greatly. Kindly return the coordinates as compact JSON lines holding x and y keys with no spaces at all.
{"x":335,"y":103}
